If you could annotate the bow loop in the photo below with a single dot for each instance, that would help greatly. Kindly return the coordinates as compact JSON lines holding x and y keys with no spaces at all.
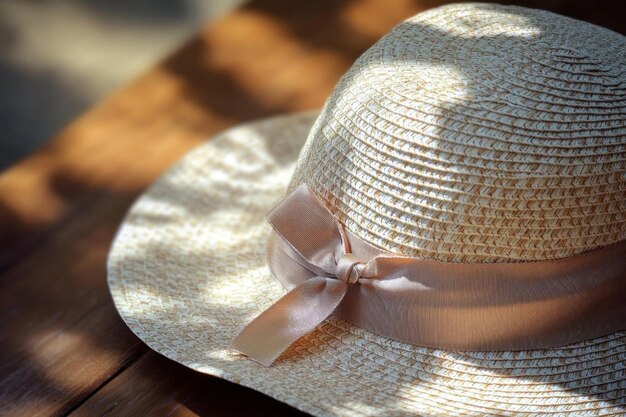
{"x":305,"y":306}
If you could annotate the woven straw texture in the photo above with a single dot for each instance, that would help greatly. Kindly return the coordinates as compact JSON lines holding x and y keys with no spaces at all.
{"x":187,"y":272}
{"x":479,"y":133}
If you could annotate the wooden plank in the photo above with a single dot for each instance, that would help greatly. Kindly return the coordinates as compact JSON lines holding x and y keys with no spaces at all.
{"x":61,"y":337}
{"x":156,"y":386}
{"x":54,"y":370}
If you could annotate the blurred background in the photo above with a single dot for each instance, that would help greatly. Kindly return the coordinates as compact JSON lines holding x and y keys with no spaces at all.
{"x":58,"y":58}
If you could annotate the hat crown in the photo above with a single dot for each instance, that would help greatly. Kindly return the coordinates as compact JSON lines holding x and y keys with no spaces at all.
{"x":478,"y":133}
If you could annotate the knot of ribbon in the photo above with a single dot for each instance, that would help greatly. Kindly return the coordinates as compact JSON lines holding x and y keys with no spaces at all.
{"x":349,"y":269}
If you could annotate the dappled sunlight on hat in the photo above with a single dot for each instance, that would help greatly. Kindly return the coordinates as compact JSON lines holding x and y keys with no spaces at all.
{"x":463,"y":136}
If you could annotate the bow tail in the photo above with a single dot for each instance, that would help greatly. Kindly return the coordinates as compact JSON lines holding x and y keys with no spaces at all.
{"x":295,"y":314}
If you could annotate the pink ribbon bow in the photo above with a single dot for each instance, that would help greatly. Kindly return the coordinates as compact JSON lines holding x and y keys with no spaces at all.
{"x":325,"y":252}
{"x":499,"y":306}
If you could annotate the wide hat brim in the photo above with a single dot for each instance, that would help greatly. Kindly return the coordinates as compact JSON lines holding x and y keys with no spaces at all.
{"x":187,"y":272}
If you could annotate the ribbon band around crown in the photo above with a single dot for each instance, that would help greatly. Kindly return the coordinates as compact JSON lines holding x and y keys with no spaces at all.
{"x":453,"y":306}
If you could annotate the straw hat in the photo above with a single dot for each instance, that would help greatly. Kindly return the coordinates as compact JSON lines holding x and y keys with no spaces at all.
{"x":471,"y":134}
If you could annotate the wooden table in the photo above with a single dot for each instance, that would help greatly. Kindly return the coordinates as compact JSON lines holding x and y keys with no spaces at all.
{"x":63,"y":348}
